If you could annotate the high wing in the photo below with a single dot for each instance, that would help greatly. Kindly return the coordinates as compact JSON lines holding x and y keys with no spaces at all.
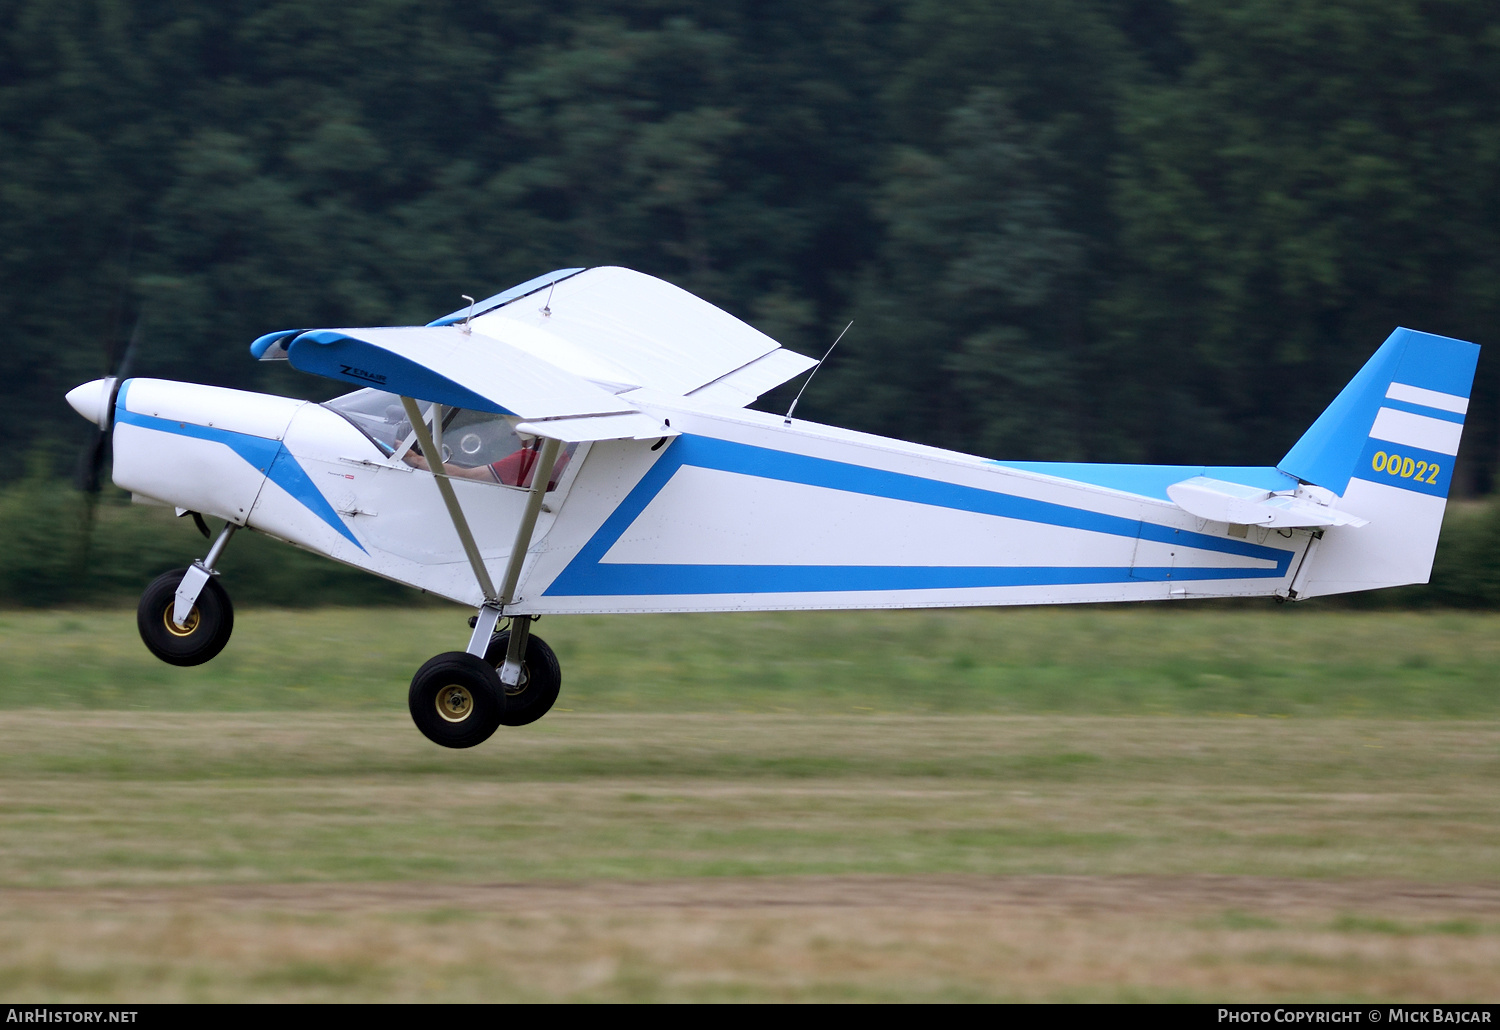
{"x":562,"y":352}
{"x":618,"y":326}
{"x":447,"y":365}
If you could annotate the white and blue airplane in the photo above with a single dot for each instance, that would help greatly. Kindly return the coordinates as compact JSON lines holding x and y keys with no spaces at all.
{"x":581,"y":443}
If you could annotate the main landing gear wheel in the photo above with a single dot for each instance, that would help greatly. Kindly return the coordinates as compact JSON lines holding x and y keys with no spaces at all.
{"x":205,"y":631}
{"x":541,"y":677}
{"x":456,"y":700}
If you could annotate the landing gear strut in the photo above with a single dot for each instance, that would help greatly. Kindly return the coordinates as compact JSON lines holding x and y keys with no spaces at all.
{"x":185,"y":617}
{"x":539,"y":676}
{"x":504,"y":679}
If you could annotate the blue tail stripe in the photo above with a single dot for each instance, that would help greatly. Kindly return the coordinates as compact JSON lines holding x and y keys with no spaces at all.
{"x":1422,"y":409}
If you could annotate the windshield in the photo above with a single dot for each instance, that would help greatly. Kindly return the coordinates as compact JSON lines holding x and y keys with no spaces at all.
{"x":377,"y":414}
{"x":477,"y":445}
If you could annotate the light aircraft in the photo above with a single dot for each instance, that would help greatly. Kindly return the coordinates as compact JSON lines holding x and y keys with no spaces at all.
{"x":581,"y":443}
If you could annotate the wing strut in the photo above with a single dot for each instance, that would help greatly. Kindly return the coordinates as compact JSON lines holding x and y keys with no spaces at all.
{"x":432,"y":450}
{"x":494,"y":602}
{"x":520,"y":625}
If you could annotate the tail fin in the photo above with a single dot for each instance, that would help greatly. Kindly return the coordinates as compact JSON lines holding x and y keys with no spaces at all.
{"x":1386,"y":446}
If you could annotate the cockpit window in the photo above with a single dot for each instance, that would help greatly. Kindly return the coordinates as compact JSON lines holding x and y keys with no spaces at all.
{"x":377,"y":414}
{"x":477,"y":445}
{"x":474,"y":438}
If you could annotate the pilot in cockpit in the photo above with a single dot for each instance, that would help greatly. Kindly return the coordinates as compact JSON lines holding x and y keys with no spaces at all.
{"x":476,"y":445}
{"x":515,"y":469}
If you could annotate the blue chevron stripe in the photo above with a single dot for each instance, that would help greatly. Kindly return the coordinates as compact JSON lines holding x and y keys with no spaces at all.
{"x":588,"y":575}
{"x":268,"y":456}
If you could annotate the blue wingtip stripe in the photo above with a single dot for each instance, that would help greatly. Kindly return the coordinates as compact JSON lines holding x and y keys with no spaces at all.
{"x":264,"y":343}
{"x":504,"y":297}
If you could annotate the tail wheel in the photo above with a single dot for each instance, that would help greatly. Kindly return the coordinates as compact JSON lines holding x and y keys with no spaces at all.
{"x":541,"y":678}
{"x":201,"y":636}
{"x":456,"y":700}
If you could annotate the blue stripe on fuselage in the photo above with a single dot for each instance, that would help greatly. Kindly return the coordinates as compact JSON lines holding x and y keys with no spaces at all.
{"x":1152,"y":480}
{"x":268,"y":456}
{"x":587,"y":574}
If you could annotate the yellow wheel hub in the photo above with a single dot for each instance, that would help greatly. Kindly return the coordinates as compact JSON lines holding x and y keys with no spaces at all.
{"x":188,"y":627}
{"x":455,"y":703}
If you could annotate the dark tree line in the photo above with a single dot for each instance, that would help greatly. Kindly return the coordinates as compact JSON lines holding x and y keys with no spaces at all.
{"x":1128,"y":230}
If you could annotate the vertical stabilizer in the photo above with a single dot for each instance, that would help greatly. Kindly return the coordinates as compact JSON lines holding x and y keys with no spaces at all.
{"x":1386,"y":446}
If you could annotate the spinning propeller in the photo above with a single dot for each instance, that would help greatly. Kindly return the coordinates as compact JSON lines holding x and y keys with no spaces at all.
{"x":95,"y":401}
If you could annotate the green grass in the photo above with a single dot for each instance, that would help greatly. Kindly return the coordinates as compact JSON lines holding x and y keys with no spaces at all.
{"x":271,"y":825}
{"x":1142,"y":660}
{"x":175,"y":798}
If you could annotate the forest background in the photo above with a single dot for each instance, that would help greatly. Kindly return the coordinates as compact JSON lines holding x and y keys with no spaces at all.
{"x":1097,"y":230}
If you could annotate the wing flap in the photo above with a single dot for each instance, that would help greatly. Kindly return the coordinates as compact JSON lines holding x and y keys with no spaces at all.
{"x":746,"y":384}
{"x":591,"y":428}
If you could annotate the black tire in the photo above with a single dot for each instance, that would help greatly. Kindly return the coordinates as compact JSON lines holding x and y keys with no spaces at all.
{"x":456,"y":700}
{"x":541,"y":678}
{"x":208,"y":625}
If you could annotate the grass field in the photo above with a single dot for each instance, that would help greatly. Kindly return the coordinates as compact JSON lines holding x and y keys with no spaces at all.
{"x":1081,"y":804}
{"x":1134,"y":660}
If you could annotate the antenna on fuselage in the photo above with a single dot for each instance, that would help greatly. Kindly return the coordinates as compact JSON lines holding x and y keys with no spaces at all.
{"x":788,"y":419}
{"x":465,"y":325}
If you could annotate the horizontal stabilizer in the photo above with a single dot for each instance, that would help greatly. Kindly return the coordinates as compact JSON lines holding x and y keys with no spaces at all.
{"x":1219,"y":501}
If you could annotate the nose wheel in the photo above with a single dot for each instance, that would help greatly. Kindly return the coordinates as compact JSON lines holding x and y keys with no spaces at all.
{"x":200,"y":636}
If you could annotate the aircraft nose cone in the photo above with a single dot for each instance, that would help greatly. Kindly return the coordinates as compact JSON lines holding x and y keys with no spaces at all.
{"x":91,"y":400}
